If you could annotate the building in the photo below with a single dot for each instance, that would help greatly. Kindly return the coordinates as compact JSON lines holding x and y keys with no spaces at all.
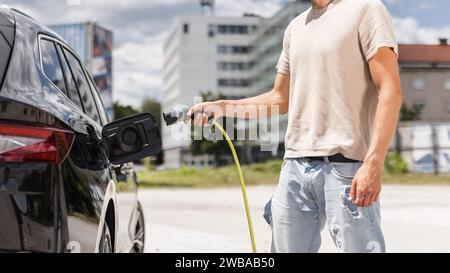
{"x":425,"y":76}
{"x":201,"y":54}
{"x":267,"y":44}
{"x":94,"y":46}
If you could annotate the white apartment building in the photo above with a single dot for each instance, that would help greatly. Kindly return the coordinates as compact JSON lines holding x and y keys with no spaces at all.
{"x":201,"y":54}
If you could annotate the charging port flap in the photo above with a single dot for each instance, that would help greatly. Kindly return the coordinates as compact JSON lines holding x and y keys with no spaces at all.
{"x":132,"y":138}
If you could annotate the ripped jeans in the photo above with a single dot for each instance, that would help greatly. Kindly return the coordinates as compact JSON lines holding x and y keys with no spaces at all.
{"x":310,"y":193}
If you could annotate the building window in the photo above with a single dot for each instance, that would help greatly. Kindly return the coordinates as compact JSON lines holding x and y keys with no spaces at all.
{"x":226,"y":49}
{"x":419,"y":105}
{"x":232,"y":66}
{"x":233,"y":83}
{"x":233,"y":29}
{"x":418,"y":84}
{"x":211,"y":31}
{"x":447,"y":85}
{"x":240,"y":50}
{"x":221,"y":49}
{"x":185,"y":28}
{"x":447,"y":106}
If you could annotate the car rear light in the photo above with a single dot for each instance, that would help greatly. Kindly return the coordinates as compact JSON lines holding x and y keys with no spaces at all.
{"x":19,"y":143}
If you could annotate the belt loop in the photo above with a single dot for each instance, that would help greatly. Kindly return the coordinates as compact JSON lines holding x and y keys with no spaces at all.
{"x":327,"y":161}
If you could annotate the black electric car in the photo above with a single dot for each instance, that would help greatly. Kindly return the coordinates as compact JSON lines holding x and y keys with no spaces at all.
{"x":66,"y":181}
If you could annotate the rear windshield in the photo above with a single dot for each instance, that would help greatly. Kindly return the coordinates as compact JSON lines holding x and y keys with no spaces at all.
{"x":6,"y":43}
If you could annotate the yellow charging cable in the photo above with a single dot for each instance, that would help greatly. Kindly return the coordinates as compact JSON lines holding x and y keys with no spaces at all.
{"x":241,"y":178}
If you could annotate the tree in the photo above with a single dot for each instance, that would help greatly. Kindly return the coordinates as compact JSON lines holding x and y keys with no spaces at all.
{"x":122,"y":111}
{"x":152,"y":106}
{"x":410,"y":114}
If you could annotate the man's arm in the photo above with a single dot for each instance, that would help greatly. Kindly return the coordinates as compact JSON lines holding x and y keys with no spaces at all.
{"x":278,"y":96}
{"x":366,"y":185}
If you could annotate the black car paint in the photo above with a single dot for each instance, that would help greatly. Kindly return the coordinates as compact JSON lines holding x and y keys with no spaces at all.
{"x":44,"y":207}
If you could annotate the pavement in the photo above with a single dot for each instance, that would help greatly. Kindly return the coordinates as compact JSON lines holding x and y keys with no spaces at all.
{"x":414,"y":219}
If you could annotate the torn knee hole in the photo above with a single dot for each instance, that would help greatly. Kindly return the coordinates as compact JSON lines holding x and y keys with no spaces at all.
{"x":336,"y":234}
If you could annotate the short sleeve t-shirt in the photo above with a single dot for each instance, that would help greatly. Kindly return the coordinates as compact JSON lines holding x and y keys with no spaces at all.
{"x":332,"y":95}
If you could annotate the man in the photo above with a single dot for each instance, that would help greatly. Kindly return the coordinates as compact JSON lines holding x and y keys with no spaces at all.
{"x":338,"y":79}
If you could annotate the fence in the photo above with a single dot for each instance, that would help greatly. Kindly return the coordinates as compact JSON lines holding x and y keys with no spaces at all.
{"x":424,"y":146}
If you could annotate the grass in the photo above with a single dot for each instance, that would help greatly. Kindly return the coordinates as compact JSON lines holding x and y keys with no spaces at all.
{"x":255,"y":174}
{"x":416,"y":178}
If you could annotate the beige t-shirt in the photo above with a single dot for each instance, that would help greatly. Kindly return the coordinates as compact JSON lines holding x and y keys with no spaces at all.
{"x":332,"y":95}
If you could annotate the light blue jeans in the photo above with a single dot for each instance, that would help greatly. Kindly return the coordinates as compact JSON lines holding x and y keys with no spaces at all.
{"x":312,"y":193}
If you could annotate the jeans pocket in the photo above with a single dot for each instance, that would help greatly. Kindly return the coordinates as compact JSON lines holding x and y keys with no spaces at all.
{"x":268,"y":211}
{"x":345,"y":170}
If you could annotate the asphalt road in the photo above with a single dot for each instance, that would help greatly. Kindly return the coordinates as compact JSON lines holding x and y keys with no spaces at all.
{"x":414,"y":219}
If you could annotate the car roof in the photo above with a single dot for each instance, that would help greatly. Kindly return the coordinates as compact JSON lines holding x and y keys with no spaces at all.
{"x":7,"y":34}
{"x":6,"y":24}
{"x":24,"y":20}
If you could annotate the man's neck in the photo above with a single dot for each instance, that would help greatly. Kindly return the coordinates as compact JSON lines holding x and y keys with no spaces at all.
{"x":318,"y":4}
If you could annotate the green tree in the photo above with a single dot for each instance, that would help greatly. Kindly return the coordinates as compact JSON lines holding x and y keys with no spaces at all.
{"x":410,"y":114}
{"x":395,"y":163}
{"x":122,"y":111}
{"x":152,"y":106}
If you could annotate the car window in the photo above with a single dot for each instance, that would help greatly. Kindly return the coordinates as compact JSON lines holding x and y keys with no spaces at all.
{"x":72,"y":90}
{"x":51,"y":65}
{"x":83,"y":86}
{"x":101,"y":109}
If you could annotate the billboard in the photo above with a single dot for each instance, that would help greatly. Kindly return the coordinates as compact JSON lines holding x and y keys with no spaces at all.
{"x":94,"y":45}
{"x":101,"y":65}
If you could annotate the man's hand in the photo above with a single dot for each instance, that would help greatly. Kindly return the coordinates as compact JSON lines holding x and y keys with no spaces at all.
{"x":366,"y":185}
{"x":214,"y":109}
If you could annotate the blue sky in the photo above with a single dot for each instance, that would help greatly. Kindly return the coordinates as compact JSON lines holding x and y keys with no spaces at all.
{"x":140,"y":26}
{"x":431,"y":13}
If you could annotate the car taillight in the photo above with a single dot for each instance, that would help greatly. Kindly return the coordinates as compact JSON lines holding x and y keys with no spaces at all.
{"x":19,"y":143}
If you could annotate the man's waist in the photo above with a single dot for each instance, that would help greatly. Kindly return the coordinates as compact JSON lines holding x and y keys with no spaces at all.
{"x":337,"y":158}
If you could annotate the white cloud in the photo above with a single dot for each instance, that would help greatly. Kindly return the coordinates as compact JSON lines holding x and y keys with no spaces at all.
{"x":423,"y":6}
{"x":408,"y":30}
{"x":137,"y":70}
{"x":238,"y":7}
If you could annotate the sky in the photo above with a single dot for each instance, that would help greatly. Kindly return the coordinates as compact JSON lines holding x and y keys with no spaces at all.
{"x":140,"y":26}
